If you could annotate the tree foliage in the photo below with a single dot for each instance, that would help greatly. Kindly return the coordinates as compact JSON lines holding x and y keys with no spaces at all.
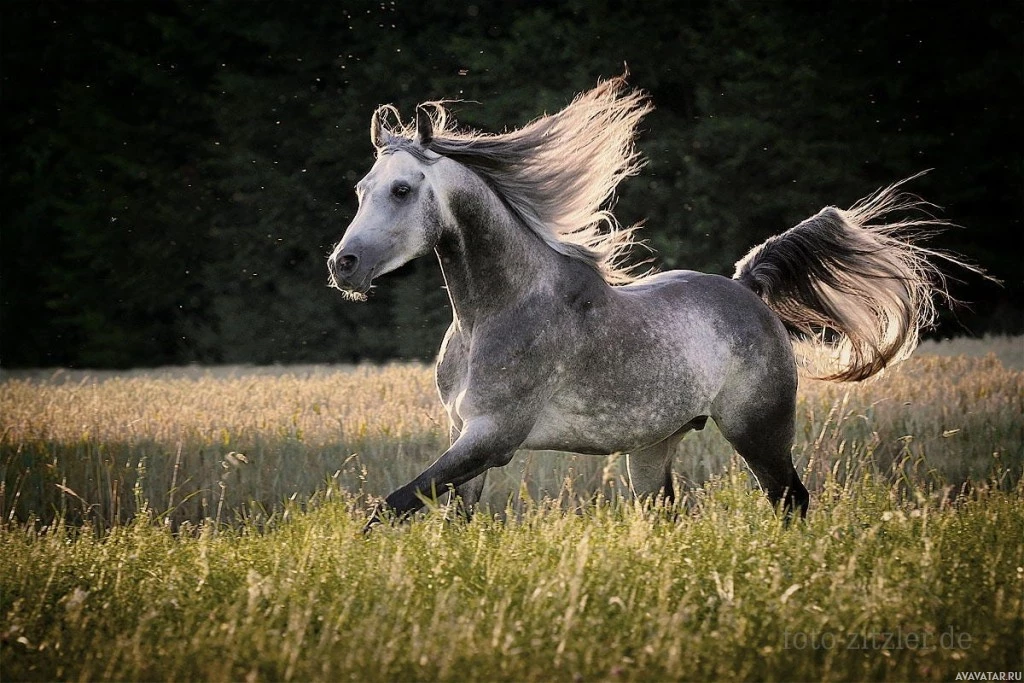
{"x":174,"y":174}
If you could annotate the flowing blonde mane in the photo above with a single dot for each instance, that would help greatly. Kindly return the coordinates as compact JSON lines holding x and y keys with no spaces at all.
{"x":557,"y":173}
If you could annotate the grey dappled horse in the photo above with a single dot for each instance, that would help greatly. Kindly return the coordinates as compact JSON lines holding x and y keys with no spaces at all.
{"x":556,"y":345}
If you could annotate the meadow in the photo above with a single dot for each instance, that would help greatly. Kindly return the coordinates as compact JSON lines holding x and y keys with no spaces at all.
{"x":204,"y":524}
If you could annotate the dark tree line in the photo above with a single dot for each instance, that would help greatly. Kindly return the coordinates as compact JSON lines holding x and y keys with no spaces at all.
{"x":175,"y":173}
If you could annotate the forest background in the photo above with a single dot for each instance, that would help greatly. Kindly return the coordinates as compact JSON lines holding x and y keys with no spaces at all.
{"x":175,"y":173}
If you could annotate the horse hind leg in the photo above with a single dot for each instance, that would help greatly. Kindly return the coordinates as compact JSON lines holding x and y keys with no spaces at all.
{"x":650,"y":472}
{"x":650,"y":469}
{"x":781,"y":484}
{"x":763,"y":436}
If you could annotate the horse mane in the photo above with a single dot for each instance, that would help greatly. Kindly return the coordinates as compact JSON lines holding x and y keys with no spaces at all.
{"x":558,"y":174}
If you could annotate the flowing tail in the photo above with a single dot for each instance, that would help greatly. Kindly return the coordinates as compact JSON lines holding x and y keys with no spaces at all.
{"x":850,"y":281}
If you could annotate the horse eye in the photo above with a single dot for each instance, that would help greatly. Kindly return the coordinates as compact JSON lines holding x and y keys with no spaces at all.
{"x":400,"y":190}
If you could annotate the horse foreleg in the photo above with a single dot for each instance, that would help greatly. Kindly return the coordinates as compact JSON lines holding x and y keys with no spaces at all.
{"x":481,"y":445}
{"x":466,"y":496}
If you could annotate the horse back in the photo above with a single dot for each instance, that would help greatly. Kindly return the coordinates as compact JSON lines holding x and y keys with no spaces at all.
{"x":720,"y":332}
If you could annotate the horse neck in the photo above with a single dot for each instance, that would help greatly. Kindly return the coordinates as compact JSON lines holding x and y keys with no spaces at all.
{"x":489,"y":259}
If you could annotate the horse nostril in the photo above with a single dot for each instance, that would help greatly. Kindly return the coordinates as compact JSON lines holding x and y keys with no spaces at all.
{"x":347,"y":264}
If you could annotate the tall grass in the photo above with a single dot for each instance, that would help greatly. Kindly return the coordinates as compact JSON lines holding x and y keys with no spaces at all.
{"x":1009,"y":350}
{"x":205,"y":525}
{"x":237,"y":444}
{"x":876,"y":585}
{"x":208,"y":445}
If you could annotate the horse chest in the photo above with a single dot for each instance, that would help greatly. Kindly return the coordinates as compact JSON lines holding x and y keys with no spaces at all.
{"x":452,"y":368}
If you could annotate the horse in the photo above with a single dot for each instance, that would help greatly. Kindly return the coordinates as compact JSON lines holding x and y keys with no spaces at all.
{"x":557,"y":343}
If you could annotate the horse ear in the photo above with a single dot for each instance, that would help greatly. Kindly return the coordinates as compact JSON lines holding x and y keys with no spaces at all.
{"x":377,"y":135}
{"x":424,"y":126}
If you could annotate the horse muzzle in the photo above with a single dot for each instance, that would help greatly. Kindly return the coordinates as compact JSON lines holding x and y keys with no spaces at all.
{"x":352,"y":271}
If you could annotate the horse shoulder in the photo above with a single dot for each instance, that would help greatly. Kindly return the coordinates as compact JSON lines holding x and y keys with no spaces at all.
{"x":509,"y":363}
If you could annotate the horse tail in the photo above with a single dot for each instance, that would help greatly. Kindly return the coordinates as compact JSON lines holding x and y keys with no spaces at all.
{"x":854,"y":283}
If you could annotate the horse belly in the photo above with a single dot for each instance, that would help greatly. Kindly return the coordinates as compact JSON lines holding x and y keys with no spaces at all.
{"x":638,"y":387}
{"x":584,"y":434}
{"x":595,"y":424}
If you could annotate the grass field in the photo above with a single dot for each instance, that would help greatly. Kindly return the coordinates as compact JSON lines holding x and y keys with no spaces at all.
{"x":194,"y":524}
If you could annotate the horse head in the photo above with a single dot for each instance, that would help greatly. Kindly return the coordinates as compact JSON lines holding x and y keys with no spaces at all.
{"x":398,"y":217}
